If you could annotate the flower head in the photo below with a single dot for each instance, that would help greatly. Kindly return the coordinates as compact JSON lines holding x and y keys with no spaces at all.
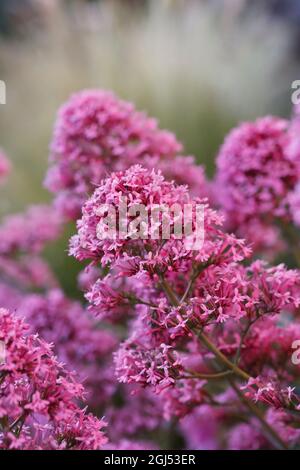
{"x":77,"y":340}
{"x":38,"y":396}
{"x":97,"y":133}
{"x":29,"y":231}
{"x":256,"y":170}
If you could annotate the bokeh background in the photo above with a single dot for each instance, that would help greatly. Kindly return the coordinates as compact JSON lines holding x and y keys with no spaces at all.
{"x":198,"y":66}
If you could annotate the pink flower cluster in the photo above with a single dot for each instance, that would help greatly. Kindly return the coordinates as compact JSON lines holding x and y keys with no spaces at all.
{"x":258,"y":168}
{"x":38,"y":396}
{"x":184,"y":302}
{"x":96,"y":133}
{"x":22,"y":238}
{"x":179,"y":339}
{"x":77,"y":341}
{"x":30,"y":231}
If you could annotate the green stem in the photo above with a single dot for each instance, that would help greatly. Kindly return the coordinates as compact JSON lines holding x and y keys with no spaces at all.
{"x":197,"y":271}
{"x":222,"y":358}
{"x":234,"y":368}
{"x":198,"y":375}
{"x":169,"y":291}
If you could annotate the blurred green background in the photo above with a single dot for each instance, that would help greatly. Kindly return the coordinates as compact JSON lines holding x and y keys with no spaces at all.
{"x":199,"y":67}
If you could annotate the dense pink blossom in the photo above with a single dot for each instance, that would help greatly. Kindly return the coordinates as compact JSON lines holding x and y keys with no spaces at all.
{"x":23,"y":236}
{"x":97,"y":133}
{"x":38,"y":407}
{"x":27,"y":271}
{"x":78,"y":342}
{"x":179,"y":400}
{"x":150,"y":189}
{"x":10,"y":296}
{"x":156,"y":367}
{"x":172,"y":292}
{"x":247,"y":436}
{"x":29,"y":231}
{"x":229,"y":426}
{"x":183,"y":170}
{"x":200,"y":428}
{"x":269,"y":343}
{"x":141,"y":412}
{"x":87,"y":277}
{"x":286,"y":425}
{"x":270,"y":392}
{"x":179,"y":339}
{"x":257,"y":168}
{"x":250,"y":436}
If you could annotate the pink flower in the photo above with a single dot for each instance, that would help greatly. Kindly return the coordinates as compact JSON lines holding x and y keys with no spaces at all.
{"x":78,"y":342}
{"x":269,"y":391}
{"x":201,"y":428}
{"x":168,"y":292}
{"x":22,"y":238}
{"x":247,"y":436}
{"x":97,"y":133}
{"x":156,"y":367}
{"x":27,"y":271}
{"x":30,"y":231}
{"x":141,"y":413}
{"x":38,"y":396}
{"x":138,"y":185}
{"x":106,"y":299}
{"x":285,"y":425}
{"x":256,"y":170}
